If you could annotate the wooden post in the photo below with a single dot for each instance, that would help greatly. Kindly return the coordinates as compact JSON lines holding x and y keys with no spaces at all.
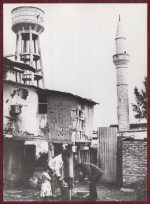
{"x":31,"y":55}
{"x":35,"y":46}
{"x":36,"y":52}
{"x":41,"y":65}
{"x":50,"y":151}
{"x":17,"y":47}
{"x":79,"y":154}
{"x":70,"y":171}
{"x":31,"y":48}
{"x":24,"y":46}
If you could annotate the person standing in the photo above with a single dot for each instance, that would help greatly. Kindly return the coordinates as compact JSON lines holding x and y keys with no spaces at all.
{"x":46,"y":190}
{"x":94,"y":174}
{"x":58,"y":167}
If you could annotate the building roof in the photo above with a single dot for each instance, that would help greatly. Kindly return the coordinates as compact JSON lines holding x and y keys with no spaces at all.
{"x":134,"y":125}
{"x":87,"y":100}
{"x":19,"y":65}
{"x":8,"y":62}
{"x":26,"y":7}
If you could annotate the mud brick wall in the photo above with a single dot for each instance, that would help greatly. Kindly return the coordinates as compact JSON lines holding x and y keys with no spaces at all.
{"x":134,"y":162}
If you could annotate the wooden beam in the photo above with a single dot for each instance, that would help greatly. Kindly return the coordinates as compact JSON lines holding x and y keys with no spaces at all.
{"x":50,"y":151}
{"x":17,"y":46}
{"x":41,"y":65}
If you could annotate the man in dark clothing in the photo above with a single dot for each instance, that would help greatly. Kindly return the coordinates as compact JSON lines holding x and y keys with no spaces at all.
{"x":94,"y":173}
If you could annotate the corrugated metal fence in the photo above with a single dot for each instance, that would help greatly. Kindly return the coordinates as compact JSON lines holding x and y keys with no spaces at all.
{"x":107,"y":153}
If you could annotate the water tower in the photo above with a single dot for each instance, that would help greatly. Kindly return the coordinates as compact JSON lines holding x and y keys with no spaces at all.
{"x":27,"y":24}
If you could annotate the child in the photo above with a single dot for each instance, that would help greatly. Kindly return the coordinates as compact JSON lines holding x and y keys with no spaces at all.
{"x":46,"y":190}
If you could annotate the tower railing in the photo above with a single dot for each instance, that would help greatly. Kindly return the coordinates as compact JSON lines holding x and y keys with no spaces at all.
{"x":122,"y":58}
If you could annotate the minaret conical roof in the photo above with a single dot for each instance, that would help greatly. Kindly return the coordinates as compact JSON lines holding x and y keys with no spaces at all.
{"x":120,"y":32}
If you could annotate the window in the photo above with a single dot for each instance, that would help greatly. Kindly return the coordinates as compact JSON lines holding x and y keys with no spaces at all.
{"x":42,"y":102}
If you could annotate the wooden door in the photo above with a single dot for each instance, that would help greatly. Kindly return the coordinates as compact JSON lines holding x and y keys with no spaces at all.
{"x":107,"y":153}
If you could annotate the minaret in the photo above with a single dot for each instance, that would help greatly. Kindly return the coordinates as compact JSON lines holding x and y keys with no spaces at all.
{"x":27,"y":24}
{"x":121,"y":60}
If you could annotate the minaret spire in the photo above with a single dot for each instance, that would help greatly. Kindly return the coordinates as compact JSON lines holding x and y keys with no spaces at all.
{"x":120,"y":32}
{"x":121,"y":60}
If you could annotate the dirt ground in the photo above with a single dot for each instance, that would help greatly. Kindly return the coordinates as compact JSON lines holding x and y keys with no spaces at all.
{"x":105,"y":193}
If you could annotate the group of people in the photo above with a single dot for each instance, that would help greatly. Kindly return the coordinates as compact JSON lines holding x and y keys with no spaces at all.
{"x":55,"y":167}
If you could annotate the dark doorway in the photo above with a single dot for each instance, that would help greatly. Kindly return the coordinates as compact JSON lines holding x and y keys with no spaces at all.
{"x":58,"y":149}
{"x":13,"y":156}
{"x":29,"y":160}
{"x":93,"y":156}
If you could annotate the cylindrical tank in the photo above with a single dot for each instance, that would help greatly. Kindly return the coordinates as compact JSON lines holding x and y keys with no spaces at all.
{"x":27,"y":18}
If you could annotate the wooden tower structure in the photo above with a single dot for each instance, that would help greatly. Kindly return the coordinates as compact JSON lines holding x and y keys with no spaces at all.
{"x":27,"y":24}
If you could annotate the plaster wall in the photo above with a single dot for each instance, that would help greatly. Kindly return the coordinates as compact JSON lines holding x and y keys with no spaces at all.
{"x":28,"y":121}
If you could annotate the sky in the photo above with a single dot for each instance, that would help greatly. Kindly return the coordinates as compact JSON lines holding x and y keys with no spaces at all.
{"x":77,"y":46}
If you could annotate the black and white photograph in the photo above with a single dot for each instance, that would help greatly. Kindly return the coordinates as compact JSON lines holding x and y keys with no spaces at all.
{"x":74,"y":102}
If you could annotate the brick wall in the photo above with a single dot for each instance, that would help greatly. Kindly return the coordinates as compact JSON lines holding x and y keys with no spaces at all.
{"x":134,"y":162}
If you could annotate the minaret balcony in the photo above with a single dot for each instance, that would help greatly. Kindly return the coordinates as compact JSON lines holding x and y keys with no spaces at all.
{"x":121,"y":59}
